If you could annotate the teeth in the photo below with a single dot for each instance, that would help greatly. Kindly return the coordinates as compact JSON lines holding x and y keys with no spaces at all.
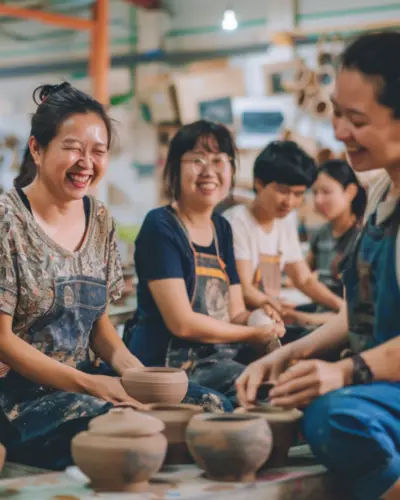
{"x":208,"y":185}
{"x":79,"y":178}
{"x":353,"y":150}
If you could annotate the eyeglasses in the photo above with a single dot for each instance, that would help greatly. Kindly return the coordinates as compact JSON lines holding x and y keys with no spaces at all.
{"x":217,"y":162}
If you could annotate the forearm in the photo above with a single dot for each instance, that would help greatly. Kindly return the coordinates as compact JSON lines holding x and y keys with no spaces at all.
{"x":199,"y":327}
{"x":384,"y":360}
{"x":318,"y":292}
{"x":333,"y":334}
{"x":253,"y":297}
{"x":108,"y":345}
{"x":32,"y":364}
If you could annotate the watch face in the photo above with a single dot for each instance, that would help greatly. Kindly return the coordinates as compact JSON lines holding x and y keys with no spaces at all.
{"x":361,"y":374}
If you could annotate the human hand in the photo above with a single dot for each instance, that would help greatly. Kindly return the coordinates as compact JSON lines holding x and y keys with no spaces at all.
{"x":266,"y":368}
{"x":306,"y":380}
{"x":272,"y":312}
{"x":263,"y":334}
{"x":110,"y":389}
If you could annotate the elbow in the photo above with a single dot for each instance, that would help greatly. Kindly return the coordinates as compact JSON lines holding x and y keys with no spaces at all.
{"x":181,"y":328}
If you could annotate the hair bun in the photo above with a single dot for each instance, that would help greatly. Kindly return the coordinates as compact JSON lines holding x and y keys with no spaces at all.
{"x":41,"y":93}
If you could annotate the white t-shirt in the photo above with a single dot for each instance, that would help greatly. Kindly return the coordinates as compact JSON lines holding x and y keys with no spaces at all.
{"x":250,"y":240}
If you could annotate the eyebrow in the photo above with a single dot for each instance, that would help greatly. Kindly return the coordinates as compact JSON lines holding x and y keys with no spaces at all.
{"x":349,"y":110}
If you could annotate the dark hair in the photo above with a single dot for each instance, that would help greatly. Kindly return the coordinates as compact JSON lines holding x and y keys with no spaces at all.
{"x":185,"y":140}
{"x":341,"y":172}
{"x":374,"y":55}
{"x":55,"y":104}
{"x":285,"y":162}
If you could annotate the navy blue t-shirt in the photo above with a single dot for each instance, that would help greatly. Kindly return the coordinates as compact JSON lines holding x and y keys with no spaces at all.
{"x":162,"y":251}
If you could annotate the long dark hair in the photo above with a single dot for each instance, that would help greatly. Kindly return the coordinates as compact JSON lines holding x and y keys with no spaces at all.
{"x":55,"y":103}
{"x":185,"y":140}
{"x":341,"y":172}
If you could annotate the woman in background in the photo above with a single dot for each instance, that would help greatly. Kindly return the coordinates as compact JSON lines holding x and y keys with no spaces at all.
{"x":340,"y":198}
{"x":191,"y":312}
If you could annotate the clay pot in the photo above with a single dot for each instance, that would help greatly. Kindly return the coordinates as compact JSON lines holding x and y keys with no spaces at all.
{"x":2,"y":456}
{"x":175,"y":419}
{"x":284,"y":426}
{"x":156,"y":385}
{"x":121,"y":450}
{"x":229,"y":447}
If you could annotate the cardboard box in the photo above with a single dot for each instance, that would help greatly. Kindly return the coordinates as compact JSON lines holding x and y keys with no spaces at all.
{"x":193,"y":88}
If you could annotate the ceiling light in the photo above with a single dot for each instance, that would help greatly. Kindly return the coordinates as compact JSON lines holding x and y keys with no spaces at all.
{"x":229,"y":21}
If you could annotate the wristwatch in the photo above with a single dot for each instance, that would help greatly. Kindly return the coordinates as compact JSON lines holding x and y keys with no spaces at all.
{"x":362,"y":373}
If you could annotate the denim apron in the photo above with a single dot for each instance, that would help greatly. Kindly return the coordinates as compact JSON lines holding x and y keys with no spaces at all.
{"x":30,"y":410}
{"x":211,"y":365}
{"x":372,"y":289}
{"x":355,"y":431}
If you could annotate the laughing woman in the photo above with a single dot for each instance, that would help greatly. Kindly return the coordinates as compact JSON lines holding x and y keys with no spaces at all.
{"x":352,"y":410}
{"x":59,"y":268}
{"x":191,"y":312}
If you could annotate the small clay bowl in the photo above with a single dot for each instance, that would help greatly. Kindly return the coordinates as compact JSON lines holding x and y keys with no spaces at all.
{"x":175,"y":419}
{"x":121,"y":450}
{"x":284,"y":425}
{"x":229,"y":447}
{"x":156,"y":385}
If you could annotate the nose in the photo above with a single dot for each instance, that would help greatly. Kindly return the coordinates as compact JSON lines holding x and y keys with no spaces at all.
{"x":85,"y":161}
{"x":342,"y":129}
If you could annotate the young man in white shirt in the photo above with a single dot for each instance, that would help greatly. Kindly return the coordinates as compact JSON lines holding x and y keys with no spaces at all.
{"x":265,"y":238}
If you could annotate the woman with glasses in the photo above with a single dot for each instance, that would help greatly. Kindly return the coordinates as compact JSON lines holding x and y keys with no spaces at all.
{"x":191,"y":312}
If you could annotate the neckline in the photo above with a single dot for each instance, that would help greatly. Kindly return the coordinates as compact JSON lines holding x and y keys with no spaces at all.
{"x":254,"y":219}
{"x":47,"y":239}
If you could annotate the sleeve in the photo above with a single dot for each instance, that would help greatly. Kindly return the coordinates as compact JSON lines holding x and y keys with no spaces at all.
{"x":157,"y":252}
{"x":115,"y":280}
{"x":290,"y":243}
{"x":229,"y":256}
{"x":241,"y":240}
{"x":8,"y":271}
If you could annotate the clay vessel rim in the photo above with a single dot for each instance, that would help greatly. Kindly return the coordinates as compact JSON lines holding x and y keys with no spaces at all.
{"x":125,"y":422}
{"x":165,"y":407}
{"x":226,"y":418}
{"x":155,"y":369}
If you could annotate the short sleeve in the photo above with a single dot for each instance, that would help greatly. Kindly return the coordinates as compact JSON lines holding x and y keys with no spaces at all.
{"x":241,"y":241}
{"x":290,"y":243}
{"x":8,"y":258}
{"x":157,"y":251}
{"x":115,"y":281}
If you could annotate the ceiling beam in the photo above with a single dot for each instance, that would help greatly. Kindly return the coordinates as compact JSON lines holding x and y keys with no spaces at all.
{"x":61,"y":20}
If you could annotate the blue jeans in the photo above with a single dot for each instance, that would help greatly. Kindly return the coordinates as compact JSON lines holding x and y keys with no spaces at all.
{"x":355,"y":432}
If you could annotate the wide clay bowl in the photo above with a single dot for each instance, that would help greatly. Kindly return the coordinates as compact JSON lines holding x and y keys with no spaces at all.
{"x":229,"y":447}
{"x":284,"y":425}
{"x":119,"y":463}
{"x":156,"y":385}
{"x":176,"y":419}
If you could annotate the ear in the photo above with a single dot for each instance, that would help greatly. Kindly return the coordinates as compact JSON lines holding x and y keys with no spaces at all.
{"x":258,"y":185}
{"x":351,"y":190}
{"x":36,"y":150}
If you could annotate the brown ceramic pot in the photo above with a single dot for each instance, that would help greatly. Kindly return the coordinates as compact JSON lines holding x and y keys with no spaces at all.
{"x":176,"y":419}
{"x":121,"y":450}
{"x":156,"y":385}
{"x":2,"y":456}
{"x":284,"y":426}
{"x":229,"y":447}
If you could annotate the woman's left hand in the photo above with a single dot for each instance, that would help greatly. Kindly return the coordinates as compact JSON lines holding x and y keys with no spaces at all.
{"x":306,"y":380}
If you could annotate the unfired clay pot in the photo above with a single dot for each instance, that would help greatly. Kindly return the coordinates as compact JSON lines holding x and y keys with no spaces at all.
{"x":176,"y":419}
{"x":229,"y":447}
{"x":121,"y":450}
{"x":2,"y":456}
{"x":156,"y":385}
{"x":284,"y":426}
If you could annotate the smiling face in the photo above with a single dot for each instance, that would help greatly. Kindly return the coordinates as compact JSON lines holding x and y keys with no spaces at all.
{"x":367,"y":128}
{"x":278,"y":200}
{"x":75,"y":159}
{"x":331,"y":199}
{"x":206,"y":174}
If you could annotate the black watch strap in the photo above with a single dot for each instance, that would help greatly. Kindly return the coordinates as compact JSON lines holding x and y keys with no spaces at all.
{"x":362,"y":373}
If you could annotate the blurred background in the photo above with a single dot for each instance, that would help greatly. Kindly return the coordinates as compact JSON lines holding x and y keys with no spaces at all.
{"x":265,"y":68}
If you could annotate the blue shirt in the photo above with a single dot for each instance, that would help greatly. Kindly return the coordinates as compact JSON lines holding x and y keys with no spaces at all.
{"x":162,"y":251}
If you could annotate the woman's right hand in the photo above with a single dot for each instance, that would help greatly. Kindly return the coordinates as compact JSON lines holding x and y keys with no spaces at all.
{"x":111,"y":389}
{"x":267,"y":368}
